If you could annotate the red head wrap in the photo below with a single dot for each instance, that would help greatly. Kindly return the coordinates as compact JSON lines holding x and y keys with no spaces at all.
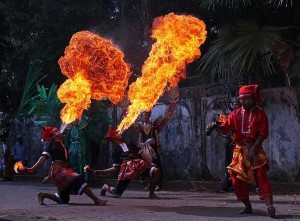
{"x":47,"y":131}
{"x":251,"y":89}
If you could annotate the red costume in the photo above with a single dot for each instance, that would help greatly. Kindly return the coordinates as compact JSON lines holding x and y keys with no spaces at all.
{"x":247,"y":126}
{"x":131,"y":166}
{"x":64,"y":178}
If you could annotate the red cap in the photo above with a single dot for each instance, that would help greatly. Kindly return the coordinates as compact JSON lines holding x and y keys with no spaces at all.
{"x":47,"y":131}
{"x":251,"y":89}
{"x":114,"y":135}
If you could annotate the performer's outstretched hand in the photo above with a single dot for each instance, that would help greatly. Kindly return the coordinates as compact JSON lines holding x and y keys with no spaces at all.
{"x":95,"y":172}
{"x":87,"y":168}
{"x":25,"y":170}
{"x":99,"y":172}
{"x":210,"y":127}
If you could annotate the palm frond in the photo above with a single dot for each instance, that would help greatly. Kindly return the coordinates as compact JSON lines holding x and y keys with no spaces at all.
{"x":280,"y":3}
{"x":208,"y":4}
{"x":212,"y":4}
{"x":237,"y":49}
{"x":267,"y":65}
{"x":34,"y":76}
{"x":46,"y":105}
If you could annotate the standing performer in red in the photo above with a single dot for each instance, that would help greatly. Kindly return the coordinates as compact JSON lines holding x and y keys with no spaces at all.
{"x":249,"y":124}
{"x":65,"y":179}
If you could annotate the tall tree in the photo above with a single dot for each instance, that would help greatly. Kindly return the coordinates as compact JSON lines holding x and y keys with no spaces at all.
{"x":33,"y":29}
{"x":254,"y":39}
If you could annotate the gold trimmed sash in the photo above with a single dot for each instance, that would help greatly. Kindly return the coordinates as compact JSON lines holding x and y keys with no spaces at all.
{"x":242,"y":167}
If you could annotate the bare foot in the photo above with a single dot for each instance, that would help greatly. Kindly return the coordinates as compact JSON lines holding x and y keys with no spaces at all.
{"x":100,"y":202}
{"x":103,"y":190}
{"x":153,"y":196}
{"x":271,"y":211}
{"x":246,"y":210}
{"x":41,"y":198}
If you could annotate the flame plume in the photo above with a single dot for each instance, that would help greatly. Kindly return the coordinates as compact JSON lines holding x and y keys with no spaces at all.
{"x":178,"y":38}
{"x":75,"y":102}
{"x":96,"y":69}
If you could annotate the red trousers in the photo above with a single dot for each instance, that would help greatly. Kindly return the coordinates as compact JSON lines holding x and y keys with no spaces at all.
{"x":241,"y":188}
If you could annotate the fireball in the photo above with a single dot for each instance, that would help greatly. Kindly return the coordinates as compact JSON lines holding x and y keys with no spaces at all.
{"x":178,"y":41}
{"x":95,"y":69}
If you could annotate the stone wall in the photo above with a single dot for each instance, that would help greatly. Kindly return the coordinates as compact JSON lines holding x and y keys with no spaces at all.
{"x":190,"y":155}
{"x":283,"y":144}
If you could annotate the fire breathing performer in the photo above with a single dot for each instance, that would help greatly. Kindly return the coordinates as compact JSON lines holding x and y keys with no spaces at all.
{"x":131,"y":163}
{"x":149,"y":131}
{"x":249,"y":164}
{"x":65,"y":179}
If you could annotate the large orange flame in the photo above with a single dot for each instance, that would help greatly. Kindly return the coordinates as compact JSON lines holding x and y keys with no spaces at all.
{"x":96,"y":69}
{"x":178,"y":38}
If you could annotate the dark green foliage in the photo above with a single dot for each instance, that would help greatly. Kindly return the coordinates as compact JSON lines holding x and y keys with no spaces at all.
{"x":46,"y":106}
{"x":34,"y":76}
{"x":253,"y":39}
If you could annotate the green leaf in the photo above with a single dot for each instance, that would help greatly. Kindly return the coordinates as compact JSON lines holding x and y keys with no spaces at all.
{"x":239,"y":47}
{"x":52,"y":92}
{"x":34,"y":76}
{"x":43,"y":94}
